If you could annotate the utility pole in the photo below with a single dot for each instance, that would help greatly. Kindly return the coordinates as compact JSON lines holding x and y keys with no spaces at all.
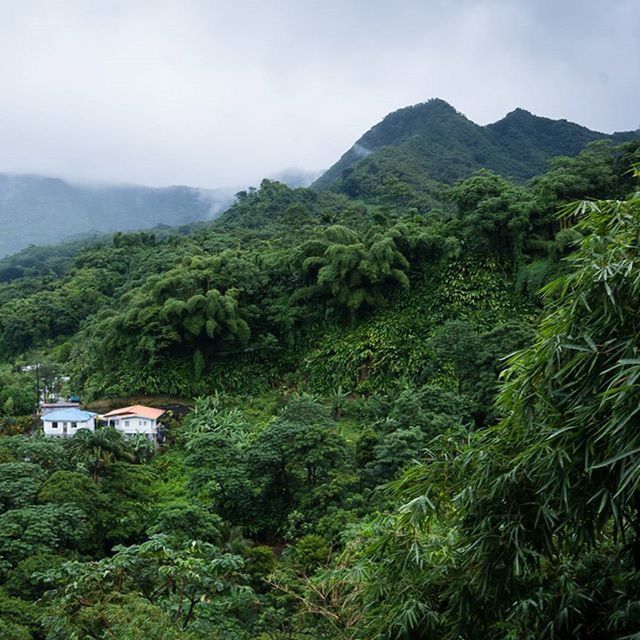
{"x":37,"y":387}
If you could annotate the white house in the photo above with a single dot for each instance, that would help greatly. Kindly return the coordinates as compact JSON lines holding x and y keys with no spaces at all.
{"x":135,"y":419}
{"x":65,"y":423}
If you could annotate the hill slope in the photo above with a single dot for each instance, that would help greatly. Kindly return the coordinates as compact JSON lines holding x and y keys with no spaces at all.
{"x":433,"y":141}
{"x":41,"y":210}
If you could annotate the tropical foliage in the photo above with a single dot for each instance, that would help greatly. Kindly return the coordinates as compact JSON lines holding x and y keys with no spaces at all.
{"x":412,"y":415}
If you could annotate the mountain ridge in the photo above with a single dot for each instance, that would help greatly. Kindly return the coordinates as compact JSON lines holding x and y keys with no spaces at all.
{"x":417,"y":149}
{"x":445,"y":145}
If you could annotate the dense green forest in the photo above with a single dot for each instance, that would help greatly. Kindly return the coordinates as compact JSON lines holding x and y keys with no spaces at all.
{"x":414,"y":414}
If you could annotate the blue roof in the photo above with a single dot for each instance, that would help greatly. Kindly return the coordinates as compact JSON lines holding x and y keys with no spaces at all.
{"x":68,"y":415}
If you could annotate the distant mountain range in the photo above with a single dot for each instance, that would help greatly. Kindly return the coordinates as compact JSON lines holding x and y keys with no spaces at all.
{"x":433,"y":141}
{"x":42,"y":210}
{"x":421,"y":146}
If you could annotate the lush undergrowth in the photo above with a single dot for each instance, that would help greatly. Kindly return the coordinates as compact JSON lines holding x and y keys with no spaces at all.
{"x":402,"y":341}
{"x":345,"y":471}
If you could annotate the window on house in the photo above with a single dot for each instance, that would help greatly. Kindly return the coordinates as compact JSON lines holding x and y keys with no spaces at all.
{"x":74,"y":425}
{"x":54,"y":425}
{"x":126,"y":423}
{"x":140,"y":422}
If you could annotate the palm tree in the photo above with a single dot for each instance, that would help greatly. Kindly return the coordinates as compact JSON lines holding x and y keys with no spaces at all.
{"x":98,"y":449}
{"x":230,"y":539}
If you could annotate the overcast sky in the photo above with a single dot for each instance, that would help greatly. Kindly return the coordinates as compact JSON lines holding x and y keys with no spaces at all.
{"x":216,"y":93}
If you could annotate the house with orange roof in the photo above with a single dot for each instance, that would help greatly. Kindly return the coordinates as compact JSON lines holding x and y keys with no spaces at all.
{"x":135,"y":419}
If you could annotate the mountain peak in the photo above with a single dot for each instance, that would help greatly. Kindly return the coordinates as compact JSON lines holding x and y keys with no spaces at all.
{"x":432,"y":140}
{"x":406,"y":122}
{"x":433,"y":104}
{"x":519,"y":112}
{"x":427,"y":119}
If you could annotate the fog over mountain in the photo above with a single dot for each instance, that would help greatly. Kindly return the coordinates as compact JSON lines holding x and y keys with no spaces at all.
{"x":430,"y":141}
{"x":42,"y":210}
{"x":218,"y":93}
{"x":296,"y":177}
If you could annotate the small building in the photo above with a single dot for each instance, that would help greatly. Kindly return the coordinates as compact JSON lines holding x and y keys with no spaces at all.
{"x":135,"y":419}
{"x":65,"y":423}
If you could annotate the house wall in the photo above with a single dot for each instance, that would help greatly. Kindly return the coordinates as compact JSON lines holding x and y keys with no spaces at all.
{"x":70,"y":430}
{"x":135,"y":424}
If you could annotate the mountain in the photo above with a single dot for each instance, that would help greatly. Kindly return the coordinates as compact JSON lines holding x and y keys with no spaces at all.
{"x":41,"y":210}
{"x":432,"y":142}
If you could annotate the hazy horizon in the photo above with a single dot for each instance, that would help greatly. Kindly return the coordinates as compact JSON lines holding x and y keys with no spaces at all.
{"x":220,"y":94}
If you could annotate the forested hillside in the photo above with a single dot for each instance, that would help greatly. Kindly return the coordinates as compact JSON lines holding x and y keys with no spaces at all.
{"x":41,"y":210}
{"x":413,"y":409}
{"x":418,"y":147}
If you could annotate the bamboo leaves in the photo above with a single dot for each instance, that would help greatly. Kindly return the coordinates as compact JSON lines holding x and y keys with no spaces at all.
{"x":354,"y":271}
